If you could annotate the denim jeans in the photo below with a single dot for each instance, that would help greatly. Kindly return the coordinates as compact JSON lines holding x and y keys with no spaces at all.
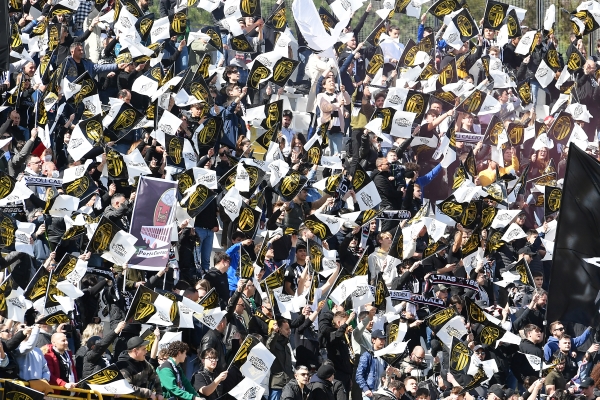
{"x":275,"y":394}
{"x":535,"y":86}
{"x":182,"y":61}
{"x":206,"y":245}
{"x":335,"y":142}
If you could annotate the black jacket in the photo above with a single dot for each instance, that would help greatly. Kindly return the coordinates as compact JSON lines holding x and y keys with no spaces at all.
{"x":320,"y":390}
{"x":214,"y":340}
{"x":292,"y":391}
{"x":93,"y":360}
{"x":390,"y":197}
{"x":335,"y":341}
{"x":218,"y":280}
{"x":281,"y":369}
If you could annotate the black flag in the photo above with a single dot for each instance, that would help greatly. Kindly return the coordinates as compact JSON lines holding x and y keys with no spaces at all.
{"x":576,"y":242}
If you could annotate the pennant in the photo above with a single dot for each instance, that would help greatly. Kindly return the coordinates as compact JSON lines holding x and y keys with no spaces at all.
{"x":441,"y":8}
{"x":198,"y":199}
{"x":552,"y":198}
{"x":322,"y":225}
{"x":248,"y":221}
{"x":56,"y":318}
{"x":109,"y":380}
{"x":149,"y":307}
{"x":522,"y":269}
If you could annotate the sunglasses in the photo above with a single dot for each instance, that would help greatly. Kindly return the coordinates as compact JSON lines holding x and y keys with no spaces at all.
{"x":560,"y":329}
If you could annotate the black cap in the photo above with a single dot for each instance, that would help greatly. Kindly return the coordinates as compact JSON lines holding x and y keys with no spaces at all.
{"x":136,"y":342}
{"x":527,"y":250}
{"x":92,"y":341}
{"x":586,"y":383}
{"x":377,"y":334}
{"x":325,"y":372}
{"x":498,"y":391}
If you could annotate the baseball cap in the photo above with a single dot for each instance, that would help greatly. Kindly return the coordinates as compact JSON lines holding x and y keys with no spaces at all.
{"x":527,"y":250}
{"x":498,"y":391}
{"x":136,"y":342}
{"x":586,"y":383}
{"x":377,"y":334}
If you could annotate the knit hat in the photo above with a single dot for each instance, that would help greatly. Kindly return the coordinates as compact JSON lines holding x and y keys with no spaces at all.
{"x":325,"y":372}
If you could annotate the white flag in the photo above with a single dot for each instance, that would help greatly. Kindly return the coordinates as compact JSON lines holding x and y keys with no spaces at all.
{"x":232,"y":202}
{"x":258,"y":363}
{"x":247,"y":390}
{"x":513,"y":232}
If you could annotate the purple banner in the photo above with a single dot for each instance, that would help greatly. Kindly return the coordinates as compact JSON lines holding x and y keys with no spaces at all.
{"x":152,"y":221}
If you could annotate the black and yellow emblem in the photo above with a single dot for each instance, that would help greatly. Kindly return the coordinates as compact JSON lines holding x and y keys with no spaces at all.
{"x":289,"y":184}
{"x":489,"y":335}
{"x":144,"y":308}
{"x":562,"y":127}
{"x":7,"y":185}
{"x":198,"y":198}
{"x":460,"y":355}
{"x":554,"y":198}
{"x":375,"y":64}
{"x":437,"y":320}
{"x":114,"y":164}
{"x":516,"y":133}
{"x":78,"y":187}
{"x":179,"y":23}
{"x":175,"y":149}
{"x":495,"y":15}
{"x":209,"y":132}
{"x":246,"y":221}
{"x":317,"y":227}
{"x":103,"y":377}
{"x":258,"y":73}
{"x":124,"y":120}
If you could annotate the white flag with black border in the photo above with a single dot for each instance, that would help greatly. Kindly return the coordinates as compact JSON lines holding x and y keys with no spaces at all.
{"x":247,"y":390}
{"x":258,"y":363}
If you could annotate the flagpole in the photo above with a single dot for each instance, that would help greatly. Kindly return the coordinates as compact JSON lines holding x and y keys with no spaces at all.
{"x":539,"y":177}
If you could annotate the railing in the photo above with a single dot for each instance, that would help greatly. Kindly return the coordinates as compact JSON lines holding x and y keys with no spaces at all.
{"x":59,"y":392}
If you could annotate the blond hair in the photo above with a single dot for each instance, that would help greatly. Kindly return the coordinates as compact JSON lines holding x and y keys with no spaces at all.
{"x":91,"y":330}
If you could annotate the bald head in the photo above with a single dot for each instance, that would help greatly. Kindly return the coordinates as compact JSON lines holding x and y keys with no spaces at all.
{"x":59,"y":342}
{"x":418,"y":354}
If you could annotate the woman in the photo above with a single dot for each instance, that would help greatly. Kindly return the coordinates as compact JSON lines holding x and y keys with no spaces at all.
{"x":172,"y":378}
{"x":205,"y":381}
{"x":331,"y":108}
{"x":242,"y":147}
{"x":234,"y":125}
{"x":90,"y":331}
{"x":297,"y":154}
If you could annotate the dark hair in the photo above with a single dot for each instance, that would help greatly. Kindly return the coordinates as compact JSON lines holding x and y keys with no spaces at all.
{"x":74,"y":45}
{"x":422,"y":392}
{"x":530,"y":328}
{"x":339,"y":314}
{"x":395,"y":384}
{"x":565,"y":336}
{"x":208,"y":353}
{"x":281,"y":322}
{"x":428,"y":29}
{"x":238,"y":235}
{"x":123,"y":93}
{"x":288,"y":113}
{"x":177,"y":347}
{"x":228,"y":70}
{"x":220,"y":256}
{"x":537,"y":273}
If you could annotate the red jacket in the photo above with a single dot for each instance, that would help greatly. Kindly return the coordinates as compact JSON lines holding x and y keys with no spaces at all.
{"x":54,"y":366}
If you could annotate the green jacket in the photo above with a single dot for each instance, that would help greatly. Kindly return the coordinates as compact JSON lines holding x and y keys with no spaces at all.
{"x":168,"y":381}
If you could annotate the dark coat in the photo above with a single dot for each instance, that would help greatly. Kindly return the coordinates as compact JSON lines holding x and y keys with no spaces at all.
{"x":292,"y":391}
{"x":320,"y":390}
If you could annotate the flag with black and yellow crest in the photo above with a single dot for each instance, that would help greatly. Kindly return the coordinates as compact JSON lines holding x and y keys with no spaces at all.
{"x":103,"y":235}
{"x":241,"y":43}
{"x":381,"y":292}
{"x":246,"y":265}
{"x":362,"y":265}
{"x":416,"y":102}
{"x":374,"y":36}
{"x":328,"y":20}
{"x":250,"y":8}
{"x":108,"y":380}
{"x":278,"y":19}
{"x":476,"y":381}
{"x":274,"y":280}
{"x":583,"y":21}
{"x":488,"y":213}
{"x":436,"y":321}
{"x":149,"y":307}
{"x":494,"y":241}
{"x":494,"y":130}
{"x":552,"y":58}
{"x":178,"y":23}
{"x":407,"y":58}
{"x":494,"y":14}
{"x":447,"y":74}
{"x":248,"y":221}
{"x":199,"y":89}
{"x":116,"y":167}
{"x":215,"y":36}
{"x":561,"y":128}
{"x":552,"y":197}
{"x":185,"y":180}
{"x":88,"y":88}
{"x":258,"y":73}
{"x":472,"y":244}
{"x":282,"y":70}
{"x":460,"y":356}
{"x":242,"y":354}
{"x":174,"y":145}
{"x":81,"y":188}
{"x":55,"y":318}
{"x":198,"y":199}
{"x":522,"y":269}
{"x":262,"y":253}
{"x":93,"y":130}
{"x":516,"y":133}
{"x":575,"y":60}
{"x":144,"y":25}
{"x":472,"y":214}
{"x":548,"y":176}
{"x":16,"y":391}
{"x":453,"y":209}
{"x":322,"y":225}
{"x":121,"y":119}
{"x":13,"y":304}
{"x":274,"y":113}
{"x":362,"y":218}
{"x":441,"y":8}
{"x":375,"y":63}
{"x":38,"y":285}
{"x":268,"y":137}
{"x":208,"y":133}
{"x":397,"y":247}
{"x":8,"y":227}
{"x":523,"y":92}
{"x":290,"y":185}
{"x":367,"y":195}
{"x":460,"y":176}
{"x":314,"y":153}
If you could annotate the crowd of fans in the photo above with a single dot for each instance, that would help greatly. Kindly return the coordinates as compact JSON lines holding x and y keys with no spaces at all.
{"x":325,"y":350}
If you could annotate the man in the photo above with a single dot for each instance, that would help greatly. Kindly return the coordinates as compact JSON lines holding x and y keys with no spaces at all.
{"x":294,"y":271}
{"x":557,"y":330}
{"x":587,"y":386}
{"x":61,"y":362}
{"x":281,"y":369}
{"x":321,"y":386}
{"x":532,"y":345}
{"x":371,"y":369}
{"x":414,"y":365}
{"x":379,"y":261}
{"x":213,"y":339}
{"x":555,"y":380}
{"x":332,"y":333}
{"x":20,"y":159}
{"x":238,"y":240}
{"x":31,"y":361}
{"x":263,"y":320}
{"x":534,"y":313}
{"x":565,"y":355}
{"x":287,"y":133}
{"x":296,"y":388}
{"x":394,"y":390}
{"x":138,"y":372}
{"x":390,"y":196}
{"x":172,"y":378}
{"x":588,"y":95}
{"x":217,"y":277}
{"x":77,"y":65}
{"x":410,"y":386}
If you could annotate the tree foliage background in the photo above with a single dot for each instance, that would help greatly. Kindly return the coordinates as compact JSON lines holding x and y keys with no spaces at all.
{"x":198,"y":18}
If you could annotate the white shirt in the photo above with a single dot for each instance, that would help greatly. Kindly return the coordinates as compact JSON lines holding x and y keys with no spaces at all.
{"x":288,"y":135}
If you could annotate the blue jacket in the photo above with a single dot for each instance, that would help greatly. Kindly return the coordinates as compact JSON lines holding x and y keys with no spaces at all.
{"x":366,"y":372}
{"x":233,"y":126}
{"x":92,"y":69}
{"x":232,"y":273}
{"x":552,"y":345}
